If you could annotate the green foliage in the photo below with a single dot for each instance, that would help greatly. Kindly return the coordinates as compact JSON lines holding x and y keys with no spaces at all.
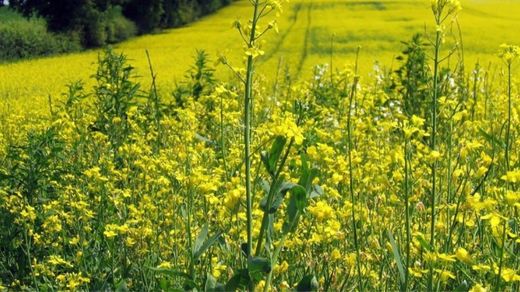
{"x":146,"y":14}
{"x":106,"y":27}
{"x":308,"y":283}
{"x":199,"y":80}
{"x":103,"y":22}
{"x":24,"y":38}
{"x":414,"y":77}
{"x":115,"y":94}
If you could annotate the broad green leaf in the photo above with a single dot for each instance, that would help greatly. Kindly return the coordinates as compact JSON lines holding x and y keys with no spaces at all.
{"x":397,"y":256}
{"x":266,"y":187}
{"x":276,"y":151}
{"x":259,"y":265}
{"x":121,"y":286}
{"x":240,"y":280}
{"x":297,"y":203}
{"x":308,"y":283}
{"x":189,"y":285}
{"x":200,"y":239}
{"x":304,"y":171}
{"x":278,"y":197}
{"x":287,"y":186}
{"x":206,"y":245}
{"x":307,"y":174}
{"x":316,"y":192}
{"x":270,"y":159}
{"x":212,"y":285}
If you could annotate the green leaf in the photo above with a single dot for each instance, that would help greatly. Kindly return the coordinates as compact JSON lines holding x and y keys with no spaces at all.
{"x":316,"y":192}
{"x":258,"y":265}
{"x":212,"y":285}
{"x":424,"y":244}
{"x":207,"y":244}
{"x":300,"y":197}
{"x":121,"y":286}
{"x":297,"y":204}
{"x":189,"y":285}
{"x":266,"y":187}
{"x":492,"y":138}
{"x":397,"y":256}
{"x":287,"y":186}
{"x":304,"y":171}
{"x":200,"y":239}
{"x":164,"y":284}
{"x":308,"y":283}
{"x":307,"y":174}
{"x":276,"y":151}
{"x":278,"y":197}
{"x":240,"y":280}
{"x":462,"y":287}
{"x":270,"y":159}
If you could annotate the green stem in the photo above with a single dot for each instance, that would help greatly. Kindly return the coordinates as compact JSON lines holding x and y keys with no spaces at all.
{"x":247,"y":132}
{"x":433,"y":147}
{"x":189,"y":207}
{"x":276,"y":253}
{"x":29,"y":257}
{"x":501,"y":262}
{"x":351,"y":175}
{"x":508,"y":131}
{"x":407,"y":213}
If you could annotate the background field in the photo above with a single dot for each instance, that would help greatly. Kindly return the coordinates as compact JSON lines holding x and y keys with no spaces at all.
{"x":306,"y":30}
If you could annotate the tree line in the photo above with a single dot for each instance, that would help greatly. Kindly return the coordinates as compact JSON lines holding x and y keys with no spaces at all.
{"x":98,"y":22}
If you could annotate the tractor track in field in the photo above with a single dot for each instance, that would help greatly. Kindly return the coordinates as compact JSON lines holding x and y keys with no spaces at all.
{"x":283,"y":37}
{"x":305,"y":48}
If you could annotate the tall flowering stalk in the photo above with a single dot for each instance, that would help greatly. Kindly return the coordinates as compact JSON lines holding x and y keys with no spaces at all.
{"x":247,"y":125}
{"x":508,"y":53}
{"x":250,"y":36}
{"x":442,"y":10}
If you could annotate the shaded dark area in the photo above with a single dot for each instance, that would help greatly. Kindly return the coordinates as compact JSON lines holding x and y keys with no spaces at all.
{"x":100,"y":22}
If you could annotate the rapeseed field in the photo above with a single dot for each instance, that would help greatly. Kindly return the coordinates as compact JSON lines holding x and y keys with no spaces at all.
{"x":309,"y":31}
{"x":305,"y":149}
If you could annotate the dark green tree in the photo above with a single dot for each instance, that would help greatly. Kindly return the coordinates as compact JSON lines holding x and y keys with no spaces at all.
{"x":147,"y":14}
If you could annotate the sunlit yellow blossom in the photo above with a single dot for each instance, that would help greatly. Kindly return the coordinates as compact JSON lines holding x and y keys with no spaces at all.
{"x":445,"y":275}
{"x":288,"y":128}
{"x":463,"y":255}
{"x":321,"y":211}
{"x":446,"y":258}
{"x":481,"y":267}
{"x":478,"y":288}
{"x":509,"y":275}
{"x":281,"y":267}
{"x":164,"y":265}
{"x":512,"y":176}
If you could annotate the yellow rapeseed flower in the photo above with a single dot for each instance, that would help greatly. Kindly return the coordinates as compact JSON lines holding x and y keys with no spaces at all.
{"x":509,"y":53}
{"x":478,"y":288}
{"x":463,"y":255}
